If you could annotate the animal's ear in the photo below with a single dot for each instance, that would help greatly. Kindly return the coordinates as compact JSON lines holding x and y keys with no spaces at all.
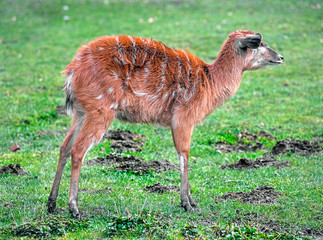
{"x":252,"y":41}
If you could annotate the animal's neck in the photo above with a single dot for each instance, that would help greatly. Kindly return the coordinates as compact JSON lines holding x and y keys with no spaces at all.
{"x":225,"y":75}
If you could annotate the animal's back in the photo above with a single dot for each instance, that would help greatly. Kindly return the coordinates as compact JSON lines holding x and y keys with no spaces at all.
{"x":141,"y":79}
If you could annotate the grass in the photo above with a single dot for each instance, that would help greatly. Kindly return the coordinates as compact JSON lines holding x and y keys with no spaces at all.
{"x":36,"y":43}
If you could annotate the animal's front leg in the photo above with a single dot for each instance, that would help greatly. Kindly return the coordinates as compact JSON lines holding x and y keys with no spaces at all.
{"x":186,"y":199}
{"x":182,"y":138}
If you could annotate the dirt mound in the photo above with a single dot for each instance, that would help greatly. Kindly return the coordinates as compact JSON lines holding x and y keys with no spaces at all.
{"x":93,"y":191}
{"x":61,"y":110}
{"x":159,"y":188}
{"x":224,"y":147}
{"x":124,"y":140}
{"x":264,"y":195}
{"x":13,"y":169}
{"x":266,"y":161}
{"x":112,"y":159}
{"x":301,"y":147}
{"x":133,"y":164}
{"x":146,"y":166}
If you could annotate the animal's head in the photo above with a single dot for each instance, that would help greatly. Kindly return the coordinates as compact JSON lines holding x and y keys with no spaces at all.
{"x":254,"y":51}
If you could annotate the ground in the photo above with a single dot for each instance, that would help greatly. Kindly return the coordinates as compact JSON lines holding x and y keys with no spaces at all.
{"x":265,"y":141}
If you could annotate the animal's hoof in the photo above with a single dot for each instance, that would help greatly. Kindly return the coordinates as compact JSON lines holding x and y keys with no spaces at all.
{"x":75,"y":213}
{"x":193,"y":203}
{"x":51,"y":206}
{"x":74,"y":210}
{"x":187,"y":206}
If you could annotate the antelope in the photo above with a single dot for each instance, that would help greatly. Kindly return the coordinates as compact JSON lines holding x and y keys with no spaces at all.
{"x":143,"y":81}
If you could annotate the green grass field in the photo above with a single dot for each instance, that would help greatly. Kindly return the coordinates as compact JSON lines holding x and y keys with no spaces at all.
{"x":39,"y":38}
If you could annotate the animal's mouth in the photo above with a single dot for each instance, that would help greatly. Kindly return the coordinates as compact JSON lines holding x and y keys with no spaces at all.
{"x":275,"y":62}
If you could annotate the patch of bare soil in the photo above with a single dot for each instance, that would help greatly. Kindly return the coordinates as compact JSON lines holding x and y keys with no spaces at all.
{"x":112,"y":159}
{"x":133,"y":164}
{"x":93,"y":191}
{"x":224,"y":147}
{"x":265,"y":161}
{"x":124,"y":140}
{"x":264,"y":195}
{"x":159,"y":188}
{"x":13,"y":169}
{"x":296,"y":146}
{"x":61,"y":110}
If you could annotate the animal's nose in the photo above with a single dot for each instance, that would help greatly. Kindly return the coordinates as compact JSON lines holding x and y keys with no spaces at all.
{"x":281,"y":57}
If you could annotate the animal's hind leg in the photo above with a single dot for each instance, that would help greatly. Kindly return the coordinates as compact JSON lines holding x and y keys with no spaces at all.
{"x":95,"y":125}
{"x":65,"y":153}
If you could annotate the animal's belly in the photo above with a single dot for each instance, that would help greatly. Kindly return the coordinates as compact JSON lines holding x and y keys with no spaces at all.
{"x":142,"y":115}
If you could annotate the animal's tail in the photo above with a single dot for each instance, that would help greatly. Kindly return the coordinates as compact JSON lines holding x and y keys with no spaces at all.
{"x":69,"y":93}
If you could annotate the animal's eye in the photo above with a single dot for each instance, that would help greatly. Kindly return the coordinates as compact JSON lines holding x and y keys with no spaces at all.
{"x":262,"y":44}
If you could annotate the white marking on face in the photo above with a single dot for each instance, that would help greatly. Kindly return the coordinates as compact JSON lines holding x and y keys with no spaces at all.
{"x":262,"y":50}
{"x":114,"y":106}
{"x":256,"y":64}
{"x":181,"y":160}
{"x":100,"y":96}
